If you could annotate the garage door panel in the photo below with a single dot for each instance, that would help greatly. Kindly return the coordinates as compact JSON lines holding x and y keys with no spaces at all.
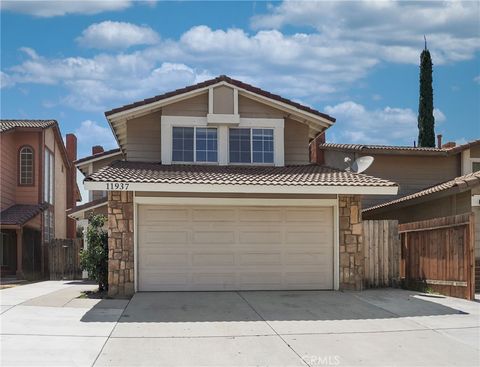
{"x":214,"y":215}
{"x":153,"y":216}
{"x":165,"y":260}
{"x":260,"y":216}
{"x":163,"y":237}
{"x":213,"y":237}
{"x":307,"y":215}
{"x":213,"y":259}
{"x":234,"y":248}
{"x":260,"y":237}
{"x":307,"y":237}
{"x":259,"y":258}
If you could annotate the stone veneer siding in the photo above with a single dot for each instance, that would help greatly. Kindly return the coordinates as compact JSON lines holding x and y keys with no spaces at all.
{"x":121,"y":271}
{"x":351,"y":242}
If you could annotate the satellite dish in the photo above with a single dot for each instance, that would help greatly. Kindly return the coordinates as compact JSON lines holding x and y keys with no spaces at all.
{"x":361,"y":164}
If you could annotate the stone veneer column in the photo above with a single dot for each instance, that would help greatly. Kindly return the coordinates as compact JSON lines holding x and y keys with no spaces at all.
{"x":121,"y":271}
{"x":351,"y":242}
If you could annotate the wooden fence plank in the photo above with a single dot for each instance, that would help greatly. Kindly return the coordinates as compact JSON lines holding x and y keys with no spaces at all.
{"x":64,"y":259}
{"x":382,"y":253}
{"x":438,"y":254}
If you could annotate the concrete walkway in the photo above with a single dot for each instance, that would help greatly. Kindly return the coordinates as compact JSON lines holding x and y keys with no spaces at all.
{"x":44,"y":324}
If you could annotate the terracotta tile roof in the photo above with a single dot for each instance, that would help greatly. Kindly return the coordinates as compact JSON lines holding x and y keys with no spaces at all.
{"x":20,"y":214}
{"x":221,"y":78}
{"x":305,"y":175}
{"x":98,"y":155}
{"x":6,"y":125}
{"x":87,"y":206}
{"x":472,"y":179}
{"x":396,"y":148}
{"x":459,"y":148}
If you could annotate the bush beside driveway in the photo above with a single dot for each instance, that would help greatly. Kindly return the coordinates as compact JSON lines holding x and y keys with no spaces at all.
{"x":375,"y":327}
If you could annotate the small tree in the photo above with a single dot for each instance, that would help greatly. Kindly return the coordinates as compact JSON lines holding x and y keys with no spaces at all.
{"x":94,"y":259}
{"x":426,"y":121}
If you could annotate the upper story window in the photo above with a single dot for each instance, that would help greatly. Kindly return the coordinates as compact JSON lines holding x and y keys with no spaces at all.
{"x":475,"y":166}
{"x":48,"y":177}
{"x":194,"y":144}
{"x":26,"y":165}
{"x":251,"y":145}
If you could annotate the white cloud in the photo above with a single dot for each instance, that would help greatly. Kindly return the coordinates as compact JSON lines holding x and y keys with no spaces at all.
{"x":5,"y":80}
{"x":117,"y":35}
{"x":91,"y":133}
{"x":51,"y":8}
{"x":439,"y":115}
{"x":477,"y":79}
{"x":393,"y":30}
{"x":357,"y":124}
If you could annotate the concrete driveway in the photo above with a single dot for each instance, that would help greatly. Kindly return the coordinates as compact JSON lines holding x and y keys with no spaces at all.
{"x":45,"y":324}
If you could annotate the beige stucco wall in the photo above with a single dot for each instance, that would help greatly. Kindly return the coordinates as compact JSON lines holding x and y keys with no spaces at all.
{"x":195,"y":106}
{"x":144,"y":133}
{"x":475,"y":151}
{"x":296,"y":143}
{"x":441,"y":207}
{"x":223,"y":100}
{"x":412,"y":173}
{"x":143,"y":138}
{"x":249,"y":108}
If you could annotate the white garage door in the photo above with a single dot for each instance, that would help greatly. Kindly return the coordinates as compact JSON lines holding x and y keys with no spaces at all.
{"x":184,"y":248}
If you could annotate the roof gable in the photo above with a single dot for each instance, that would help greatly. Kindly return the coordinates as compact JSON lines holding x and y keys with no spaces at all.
{"x":211,"y":82}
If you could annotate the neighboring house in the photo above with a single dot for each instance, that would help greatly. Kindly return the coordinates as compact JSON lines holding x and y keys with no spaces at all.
{"x":38,"y":185}
{"x":412,"y":168}
{"x":97,"y":199}
{"x":452,"y":197}
{"x":216,"y":192}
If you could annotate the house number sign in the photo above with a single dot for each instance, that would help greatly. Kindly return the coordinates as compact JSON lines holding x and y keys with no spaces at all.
{"x":120,"y":186}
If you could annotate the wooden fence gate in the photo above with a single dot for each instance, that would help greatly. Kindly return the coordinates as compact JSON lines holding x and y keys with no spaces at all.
{"x":439,"y":253}
{"x":382,"y":253}
{"x":64,"y":259}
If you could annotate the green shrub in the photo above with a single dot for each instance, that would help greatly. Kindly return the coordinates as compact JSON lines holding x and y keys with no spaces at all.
{"x":94,"y":259}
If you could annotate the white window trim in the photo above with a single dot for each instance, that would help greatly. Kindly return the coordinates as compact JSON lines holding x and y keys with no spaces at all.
{"x":168,"y":122}
{"x":195,"y":146}
{"x":251,"y":163}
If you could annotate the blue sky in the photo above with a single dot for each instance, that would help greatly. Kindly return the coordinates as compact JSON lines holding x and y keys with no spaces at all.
{"x":357,"y":61}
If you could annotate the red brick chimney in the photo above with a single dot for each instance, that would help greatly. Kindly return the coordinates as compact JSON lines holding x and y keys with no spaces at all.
{"x":97,"y":149}
{"x":316,"y":154}
{"x":71,"y":145}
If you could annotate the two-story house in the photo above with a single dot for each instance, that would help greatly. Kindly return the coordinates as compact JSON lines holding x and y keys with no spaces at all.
{"x":413,"y":168}
{"x":38,"y":185}
{"x":215,"y":191}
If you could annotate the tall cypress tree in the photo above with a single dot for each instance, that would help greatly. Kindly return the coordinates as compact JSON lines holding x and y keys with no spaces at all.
{"x":426,"y":121}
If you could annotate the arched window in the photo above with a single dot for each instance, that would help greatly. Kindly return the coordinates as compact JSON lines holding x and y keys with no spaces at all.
{"x":26,"y":165}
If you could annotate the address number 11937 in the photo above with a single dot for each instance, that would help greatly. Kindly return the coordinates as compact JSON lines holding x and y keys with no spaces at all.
{"x":121,"y":186}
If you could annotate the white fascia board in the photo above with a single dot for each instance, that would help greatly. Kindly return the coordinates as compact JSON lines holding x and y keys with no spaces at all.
{"x":233,"y":201}
{"x":244,"y":189}
{"x":155,"y":105}
{"x":286,"y":107}
{"x":87,"y":162}
{"x":80,"y":213}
